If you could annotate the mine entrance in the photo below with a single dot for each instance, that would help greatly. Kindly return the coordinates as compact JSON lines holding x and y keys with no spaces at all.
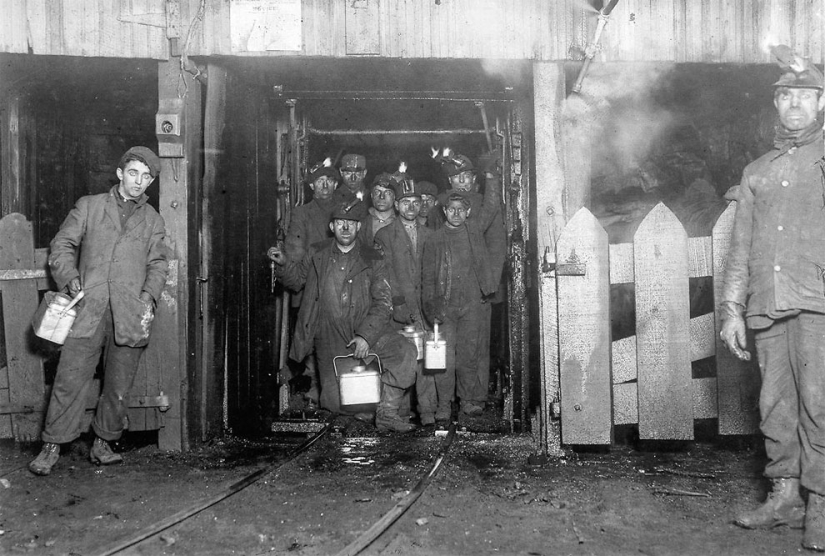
{"x":390,"y":112}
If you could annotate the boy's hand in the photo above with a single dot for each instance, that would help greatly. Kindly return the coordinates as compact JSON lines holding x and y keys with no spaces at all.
{"x":361,"y":349}
{"x":74,"y":287}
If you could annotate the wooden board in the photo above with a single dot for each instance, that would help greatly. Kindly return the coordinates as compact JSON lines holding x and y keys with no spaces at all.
{"x":738,"y":381}
{"x":584,"y":333}
{"x":662,"y":327}
{"x":361,"y":32}
{"x":19,"y":297}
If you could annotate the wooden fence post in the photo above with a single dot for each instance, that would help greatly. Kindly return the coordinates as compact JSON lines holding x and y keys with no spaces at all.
{"x":583,"y":277}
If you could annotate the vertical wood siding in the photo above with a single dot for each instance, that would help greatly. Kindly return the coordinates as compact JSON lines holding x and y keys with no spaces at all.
{"x":709,"y":31}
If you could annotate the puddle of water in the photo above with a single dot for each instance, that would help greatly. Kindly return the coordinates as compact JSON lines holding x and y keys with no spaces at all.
{"x":359,"y":451}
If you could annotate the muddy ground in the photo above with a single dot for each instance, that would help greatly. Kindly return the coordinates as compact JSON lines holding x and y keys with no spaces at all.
{"x":488,"y":497}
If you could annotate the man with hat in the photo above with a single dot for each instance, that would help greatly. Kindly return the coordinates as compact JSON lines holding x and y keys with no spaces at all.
{"x":346,"y":310}
{"x":382,"y":211}
{"x":353,"y":172}
{"x":462,"y":177}
{"x":310,"y":224}
{"x":402,"y":243}
{"x":775,"y":285}
{"x":110,"y":247}
{"x":457,"y":278}
{"x":429,"y":199}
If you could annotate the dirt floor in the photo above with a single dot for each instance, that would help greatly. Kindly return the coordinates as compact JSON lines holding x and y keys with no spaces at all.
{"x":491,"y":495}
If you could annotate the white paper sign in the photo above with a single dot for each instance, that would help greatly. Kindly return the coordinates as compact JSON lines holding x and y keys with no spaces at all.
{"x":260,"y":25}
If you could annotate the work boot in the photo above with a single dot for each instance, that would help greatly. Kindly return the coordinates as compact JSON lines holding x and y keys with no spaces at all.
{"x":784,"y":506}
{"x":473,"y":409}
{"x":45,"y":460}
{"x":364,"y":417}
{"x":102,"y":454}
{"x":427,"y":419}
{"x":387,"y":418}
{"x":814,"y":536}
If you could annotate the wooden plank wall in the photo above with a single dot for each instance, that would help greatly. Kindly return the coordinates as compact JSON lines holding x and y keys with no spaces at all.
{"x":710,"y":31}
{"x":82,"y":28}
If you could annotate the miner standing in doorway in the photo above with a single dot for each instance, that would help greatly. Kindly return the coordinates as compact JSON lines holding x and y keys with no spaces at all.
{"x":775,"y":285}
{"x":111,"y":247}
{"x":429,"y":202}
{"x":346,"y":310}
{"x":353,"y":173}
{"x":382,"y":211}
{"x":310,"y":224}
{"x":463,"y":180}
{"x":402,"y":243}
{"x":457,"y":281}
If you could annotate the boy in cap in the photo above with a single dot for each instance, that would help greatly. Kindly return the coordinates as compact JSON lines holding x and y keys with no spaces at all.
{"x":110,"y":247}
{"x":353,"y":172}
{"x":429,"y":199}
{"x":347,"y":309}
{"x":382,"y":211}
{"x":462,"y":177}
{"x":310,"y":224}
{"x":402,"y":244}
{"x":456,"y":279}
{"x":774,"y":285}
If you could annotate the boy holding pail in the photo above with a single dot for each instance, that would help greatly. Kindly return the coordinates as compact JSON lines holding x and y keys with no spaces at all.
{"x":111,"y":247}
{"x":457,"y":281}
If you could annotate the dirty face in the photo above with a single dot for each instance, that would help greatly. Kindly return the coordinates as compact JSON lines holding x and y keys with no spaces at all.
{"x":134,"y":179}
{"x":345,"y":231}
{"x":797,"y":108}
{"x":408,"y":208}
{"x":427,"y":203}
{"x":323,"y":187}
{"x":353,"y":179}
{"x":463,"y":181}
{"x":456,"y":213}
{"x":382,"y":198}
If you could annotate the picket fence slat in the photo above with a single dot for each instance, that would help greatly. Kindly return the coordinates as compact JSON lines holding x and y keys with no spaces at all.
{"x":584,"y":332}
{"x":662,"y":327}
{"x":737,"y":381}
{"x":700,"y":260}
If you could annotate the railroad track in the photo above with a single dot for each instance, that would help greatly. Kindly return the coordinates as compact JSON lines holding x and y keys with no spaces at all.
{"x":369,"y":536}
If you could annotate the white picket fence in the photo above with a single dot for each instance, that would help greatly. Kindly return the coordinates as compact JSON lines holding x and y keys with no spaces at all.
{"x":646,"y":378}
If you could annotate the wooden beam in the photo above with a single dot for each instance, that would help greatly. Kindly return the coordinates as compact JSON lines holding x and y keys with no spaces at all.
{"x":174,"y":342}
{"x":12,"y":194}
{"x":548,"y":87}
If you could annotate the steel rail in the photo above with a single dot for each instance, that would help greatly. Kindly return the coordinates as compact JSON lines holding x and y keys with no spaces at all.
{"x":379,"y":527}
{"x":234,"y":488}
{"x":315,"y":131}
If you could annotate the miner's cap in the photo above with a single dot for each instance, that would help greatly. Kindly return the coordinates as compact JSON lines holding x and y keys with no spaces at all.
{"x":460,"y":163}
{"x":383,"y":179}
{"x":142,"y":154}
{"x":316,"y":173}
{"x":404,"y":186}
{"x":353,"y":163}
{"x":426,"y":188}
{"x":810,"y":78}
{"x":353,"y":210}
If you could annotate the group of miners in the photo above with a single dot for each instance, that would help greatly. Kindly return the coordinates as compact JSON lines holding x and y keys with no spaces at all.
{"x":369,"y":263}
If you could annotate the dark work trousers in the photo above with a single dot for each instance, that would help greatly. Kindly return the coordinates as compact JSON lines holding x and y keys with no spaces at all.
{"x":397,"y":355}
{"x":75,"y":375}
{"x":463,"y":332}
{"x":436,"y":392}
{"x":792,"y":400}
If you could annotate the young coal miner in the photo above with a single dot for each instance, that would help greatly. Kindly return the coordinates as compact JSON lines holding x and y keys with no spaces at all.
{"x":402,"y":244}
{"x":457,"y":278}
{"x":775,"y":285}
{"x":346,"y":310}
{"x":310,"y":224}
{"x":110,"y":246}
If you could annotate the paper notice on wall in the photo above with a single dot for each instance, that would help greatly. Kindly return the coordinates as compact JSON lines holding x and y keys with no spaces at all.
{"x":260,"y":25}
